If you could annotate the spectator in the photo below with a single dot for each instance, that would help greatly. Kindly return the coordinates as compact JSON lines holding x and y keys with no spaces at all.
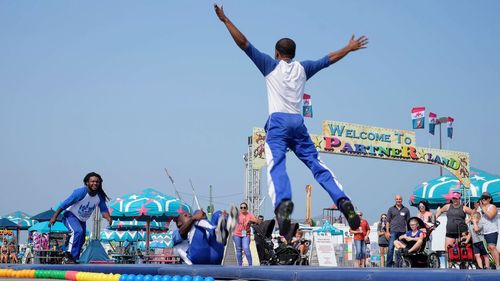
{"x":424,"y":213}
{"x":397,"y":218}
{"x":260,"y":218}
{"x":426,"y":216}
{"x":477,"y":205}
{"x":4,"y":252}
{"x":360,"y":239}
{"x":383,"y":243}
{"x":455,"y":215}
{"x":412,"y":240}
{"x":478,"y":242}
{"x":28,"y":255}
{"x":241,"y":235}
{"x":298,"y":243}
{"x":13,"y":253}
{"x":490,"y":224}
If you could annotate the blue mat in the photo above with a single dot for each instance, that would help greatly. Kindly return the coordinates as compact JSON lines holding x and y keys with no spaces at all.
{"x":281,"y":272}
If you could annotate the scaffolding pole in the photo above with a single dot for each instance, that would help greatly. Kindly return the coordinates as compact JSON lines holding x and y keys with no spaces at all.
{"x":252,"y":182}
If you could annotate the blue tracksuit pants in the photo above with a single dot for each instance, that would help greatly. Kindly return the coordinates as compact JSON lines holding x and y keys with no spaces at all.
{"x":77,"y":230}
{"x":287,"y":130}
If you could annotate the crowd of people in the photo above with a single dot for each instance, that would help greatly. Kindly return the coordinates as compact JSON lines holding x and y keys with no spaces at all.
{"x":400,"y":232}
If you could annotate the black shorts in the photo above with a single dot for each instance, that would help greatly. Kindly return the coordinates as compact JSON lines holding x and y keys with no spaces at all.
{"x":491,"y":238}
{"x":452,"y":235}
{"x":478,"y":248}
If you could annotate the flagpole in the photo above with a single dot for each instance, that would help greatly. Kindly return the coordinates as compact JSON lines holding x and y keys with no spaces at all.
{"x":439,"y":121}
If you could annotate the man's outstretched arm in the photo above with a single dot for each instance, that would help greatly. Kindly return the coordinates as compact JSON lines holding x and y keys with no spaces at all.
{"x":353,"y":45}
{"x":238,"y":37}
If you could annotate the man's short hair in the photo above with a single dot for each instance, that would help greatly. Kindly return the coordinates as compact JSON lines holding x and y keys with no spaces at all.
{"x":286,"y":47}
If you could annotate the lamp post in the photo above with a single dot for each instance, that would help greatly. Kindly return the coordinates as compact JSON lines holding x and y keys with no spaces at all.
{"x":439,"y":121}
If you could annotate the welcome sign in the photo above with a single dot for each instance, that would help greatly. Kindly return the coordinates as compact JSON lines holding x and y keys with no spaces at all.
{"x":390,"y":144}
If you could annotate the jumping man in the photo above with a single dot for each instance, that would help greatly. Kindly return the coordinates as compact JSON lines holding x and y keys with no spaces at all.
{"x":285,"y":80}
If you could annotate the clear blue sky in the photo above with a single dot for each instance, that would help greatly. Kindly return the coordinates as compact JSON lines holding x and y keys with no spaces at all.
{"x":127,"y":88}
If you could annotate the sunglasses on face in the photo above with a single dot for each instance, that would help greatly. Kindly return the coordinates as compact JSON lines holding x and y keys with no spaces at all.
{"x":243,"y":207}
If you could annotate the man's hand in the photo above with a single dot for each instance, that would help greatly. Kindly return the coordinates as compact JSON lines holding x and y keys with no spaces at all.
{"x":219,"y":11}
{"x":357,"y":44}
{"x":52,"y":221}
{"x":200,"y":214}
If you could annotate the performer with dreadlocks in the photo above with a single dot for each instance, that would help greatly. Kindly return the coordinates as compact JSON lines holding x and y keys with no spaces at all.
{"x":78,"y":207}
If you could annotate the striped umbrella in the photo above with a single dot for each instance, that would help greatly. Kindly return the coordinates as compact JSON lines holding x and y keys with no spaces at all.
{"x":136,"y":225}
{"x":438,"y":191}
{"x":162,"y":240}
{"x":122,"y":236}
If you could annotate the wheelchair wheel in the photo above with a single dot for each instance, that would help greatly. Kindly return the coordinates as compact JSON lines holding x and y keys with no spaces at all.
{"x":433,"y":261}
{"x":405,"y":262}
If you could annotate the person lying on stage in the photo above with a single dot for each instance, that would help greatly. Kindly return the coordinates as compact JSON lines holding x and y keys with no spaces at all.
{"x":200,"y":241}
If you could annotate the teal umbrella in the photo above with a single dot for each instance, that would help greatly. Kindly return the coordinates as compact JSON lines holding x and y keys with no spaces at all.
{"x":438,"y":191}
{"x":46,"y":216}
{"x":43,"y":227}
{"x":23,"y":220}
{"x":147,"y":205}
{"x":7,"y":224}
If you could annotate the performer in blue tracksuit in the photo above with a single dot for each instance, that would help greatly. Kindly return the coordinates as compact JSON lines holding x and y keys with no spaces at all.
{"x":286,"y":79}
{"x":78,"y":208}
{"x":199,"y":240}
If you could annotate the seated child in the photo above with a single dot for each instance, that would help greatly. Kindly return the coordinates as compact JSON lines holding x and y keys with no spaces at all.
{"x":412,"y":240}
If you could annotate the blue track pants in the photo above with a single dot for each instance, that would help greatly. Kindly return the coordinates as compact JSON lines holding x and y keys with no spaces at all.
{"x":77,"y":230}
{"x":286,"y":130}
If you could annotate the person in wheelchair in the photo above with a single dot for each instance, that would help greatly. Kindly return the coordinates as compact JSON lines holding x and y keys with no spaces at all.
{"x":412,"y":240}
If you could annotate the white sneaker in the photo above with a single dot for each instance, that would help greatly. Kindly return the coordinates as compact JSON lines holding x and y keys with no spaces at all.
{"x":221,"y":231}
{"x":233,"y":219}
